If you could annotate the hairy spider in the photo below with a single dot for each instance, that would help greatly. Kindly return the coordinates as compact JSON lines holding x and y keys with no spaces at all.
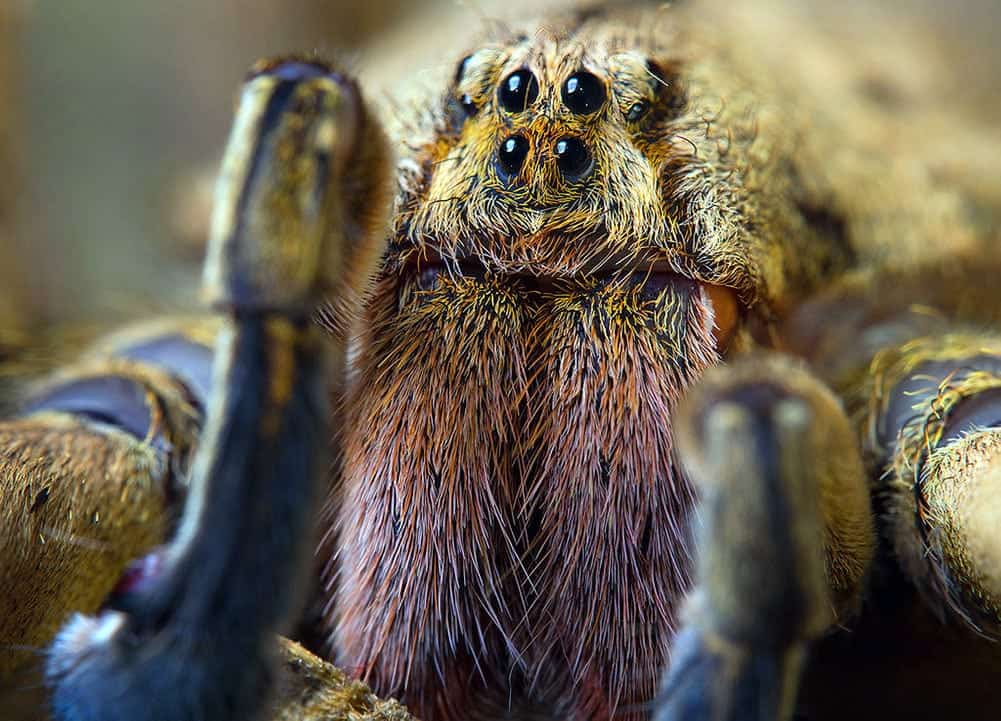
{"x":664,"y":392}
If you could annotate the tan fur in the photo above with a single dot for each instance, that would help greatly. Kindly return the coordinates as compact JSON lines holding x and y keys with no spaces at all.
{"x":962,"y":489}
{"x":927,"y":500}
{"x":314,"y":690}
{"x":498,"y":424}
{"x":842,"y":490}
{"x":509,"y":407}
{"x":77,"y":503}
{"x":80,"y":499}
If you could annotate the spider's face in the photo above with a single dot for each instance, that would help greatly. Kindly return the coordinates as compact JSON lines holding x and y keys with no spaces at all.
{"x":569,"y":157}
{"x":544,"y":164}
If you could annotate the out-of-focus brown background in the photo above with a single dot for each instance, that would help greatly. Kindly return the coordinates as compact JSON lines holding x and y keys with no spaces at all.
{"x":113,"y":114}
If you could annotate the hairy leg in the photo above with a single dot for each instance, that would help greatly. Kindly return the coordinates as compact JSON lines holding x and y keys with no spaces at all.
{"x":190,"y":637}
{"x":914,"y":357}
{"x":89,"y":472}
{"x":911,"y":355}
{"x":786,"y":538}
{"x":935,"y":422}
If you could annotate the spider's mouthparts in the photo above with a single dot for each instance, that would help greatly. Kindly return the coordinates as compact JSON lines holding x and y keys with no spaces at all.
{"x":648,"y":278}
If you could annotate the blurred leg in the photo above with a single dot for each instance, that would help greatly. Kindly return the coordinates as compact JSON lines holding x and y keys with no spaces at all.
{"x":786,"y":538}
{"x":935,"y":416}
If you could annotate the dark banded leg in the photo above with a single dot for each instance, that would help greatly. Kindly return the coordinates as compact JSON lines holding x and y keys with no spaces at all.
{"x":191,"y":637}
{"x":785,"y":539}
{"x":935,"y":420}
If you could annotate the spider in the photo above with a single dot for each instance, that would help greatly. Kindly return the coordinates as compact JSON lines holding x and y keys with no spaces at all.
{"x":657,"y":392}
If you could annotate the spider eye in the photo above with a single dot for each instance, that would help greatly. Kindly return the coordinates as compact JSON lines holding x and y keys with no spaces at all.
{"x":637,"y":110}
{"x":583,"y":93}
{"x":572,"y":157}
{"x":469,"y":107}
{"x":518,"y":91}
{"x":511,"y":155}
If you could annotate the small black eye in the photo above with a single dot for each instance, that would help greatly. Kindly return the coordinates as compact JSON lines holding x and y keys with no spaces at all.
{"x":511,"y":155}
{"x":637,"y":110}
{"x":518,"y":91}
{"x":572,"y":158}
{"x":465,"y":101}
{"x":461,"y":70}
{"x":583,"y":93}
{"x":468,"y":106}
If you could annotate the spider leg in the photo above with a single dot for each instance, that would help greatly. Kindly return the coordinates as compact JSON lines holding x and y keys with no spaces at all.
{"x":192,"y":637}
{"x":785,"y":538}
{"x":89,"y":471}
{"x":935,"y":427}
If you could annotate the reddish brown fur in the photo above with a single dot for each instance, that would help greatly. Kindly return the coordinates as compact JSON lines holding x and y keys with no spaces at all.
{"x":511,"y":504}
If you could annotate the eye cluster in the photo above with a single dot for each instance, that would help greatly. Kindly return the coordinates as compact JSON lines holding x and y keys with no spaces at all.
{"x":637,"y":86}
{"x":583,"y":93}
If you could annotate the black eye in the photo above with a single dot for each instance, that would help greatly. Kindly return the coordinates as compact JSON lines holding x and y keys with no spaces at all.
{"x":518,"y":91}
{"x":583,"y":93}
{"x":637,"y":110}
{"x":572,"y":158}
{"x":468,"y":106}
{"x":511,"y":155}
{"x":461,"y":70}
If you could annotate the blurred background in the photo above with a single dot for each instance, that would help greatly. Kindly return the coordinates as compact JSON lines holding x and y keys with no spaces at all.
{"x":113,"y":114}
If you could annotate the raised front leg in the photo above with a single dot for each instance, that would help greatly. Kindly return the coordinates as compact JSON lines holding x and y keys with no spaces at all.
{"x":190,"y":635}
{"x":785,"y":539}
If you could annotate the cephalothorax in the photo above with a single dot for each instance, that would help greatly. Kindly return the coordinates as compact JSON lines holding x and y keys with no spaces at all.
{"x":566,"y":399}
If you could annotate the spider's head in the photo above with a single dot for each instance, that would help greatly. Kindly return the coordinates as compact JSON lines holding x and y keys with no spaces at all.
{"x":593,"y":151}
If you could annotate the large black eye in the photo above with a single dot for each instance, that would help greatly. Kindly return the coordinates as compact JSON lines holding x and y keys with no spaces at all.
{"x":518,"y":91}
{"x":511,"y":155}
{"x":583,"y":93}
{"x":572,"y":158}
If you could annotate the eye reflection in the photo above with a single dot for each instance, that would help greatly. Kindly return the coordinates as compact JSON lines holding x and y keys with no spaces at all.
{"x":583,"y":93}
